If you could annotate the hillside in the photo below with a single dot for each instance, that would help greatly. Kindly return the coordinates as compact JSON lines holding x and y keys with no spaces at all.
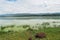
{"x":27,"y":14}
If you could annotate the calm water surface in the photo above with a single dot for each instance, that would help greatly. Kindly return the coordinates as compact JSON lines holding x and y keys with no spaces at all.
{"x":26,"y":20}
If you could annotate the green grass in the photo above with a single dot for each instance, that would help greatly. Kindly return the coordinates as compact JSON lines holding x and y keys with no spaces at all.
{"x":24,"y":32}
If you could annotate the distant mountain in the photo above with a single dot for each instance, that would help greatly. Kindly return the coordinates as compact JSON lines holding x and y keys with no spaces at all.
{"x":27,"y":14}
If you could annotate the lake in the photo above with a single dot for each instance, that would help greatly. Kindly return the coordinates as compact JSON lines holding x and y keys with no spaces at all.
{"x":28,"y":20}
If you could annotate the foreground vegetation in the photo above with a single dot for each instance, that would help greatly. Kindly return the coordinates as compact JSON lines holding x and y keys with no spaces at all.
{"x":24,"y":32}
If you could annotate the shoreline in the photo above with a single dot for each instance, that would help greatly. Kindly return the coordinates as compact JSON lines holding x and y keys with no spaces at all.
{"x":31,"y":22}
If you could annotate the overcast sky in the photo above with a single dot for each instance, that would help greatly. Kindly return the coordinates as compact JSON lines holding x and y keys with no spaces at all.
{"x":29,"y":6}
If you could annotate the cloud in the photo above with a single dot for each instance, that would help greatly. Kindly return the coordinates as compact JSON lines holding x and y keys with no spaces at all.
{"x":29,"y":6}
{"x":11,"y":0}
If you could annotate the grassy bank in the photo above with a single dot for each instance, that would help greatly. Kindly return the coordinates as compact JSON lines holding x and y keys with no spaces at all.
{"x":24,"y":32}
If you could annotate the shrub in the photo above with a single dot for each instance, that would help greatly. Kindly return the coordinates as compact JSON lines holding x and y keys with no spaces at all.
{"x":40,"y":35}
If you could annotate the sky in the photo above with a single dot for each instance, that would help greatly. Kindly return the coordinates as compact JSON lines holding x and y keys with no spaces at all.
{"x":29,"y":6}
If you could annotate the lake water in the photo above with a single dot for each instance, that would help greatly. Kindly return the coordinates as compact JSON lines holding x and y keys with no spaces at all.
{"x":27,"y":20}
